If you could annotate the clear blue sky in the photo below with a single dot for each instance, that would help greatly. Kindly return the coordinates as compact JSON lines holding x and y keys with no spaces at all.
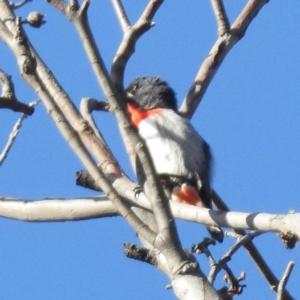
{"x":249,"y":116}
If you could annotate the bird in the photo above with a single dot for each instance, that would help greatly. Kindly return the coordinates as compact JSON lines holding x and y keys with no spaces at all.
{"x":181,"y":157}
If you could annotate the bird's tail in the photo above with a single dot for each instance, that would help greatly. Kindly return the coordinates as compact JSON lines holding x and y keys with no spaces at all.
{"x":216,"y":233}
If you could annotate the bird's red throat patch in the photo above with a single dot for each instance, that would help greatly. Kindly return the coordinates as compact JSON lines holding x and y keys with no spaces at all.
{"x":138,"y":114}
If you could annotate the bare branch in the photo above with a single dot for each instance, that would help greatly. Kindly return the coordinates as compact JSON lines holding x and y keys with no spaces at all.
{"x":150,"y":11}
{"x":141,"y":254}
{"x":14,"y":134}
{"x":57,"y":210}
{"x":252,"y":251}
{"x":131,"y":36}
{"x":87,"y":106}
{"x":262,"y":221}
{"x":8,"y":98}
{"x":284,"y":280}
{"x":84,"y":179}
{"x":228,"y":255}
{"x":236,"y":288}
{"x":216,"y":56}
{"x":154,"y":191}
{"x":18,"y":5}
{"x":121,"y":14}
{"x":36,"y":74}
{"x":62,"y":6}
{"x":239,"y":243}
{"x":203,"y":248}
{"x":221,"y":16}
{"x":79,"y":18}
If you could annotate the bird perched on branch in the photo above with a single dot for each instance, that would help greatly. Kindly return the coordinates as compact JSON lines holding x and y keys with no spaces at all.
{"x":182,"y":159}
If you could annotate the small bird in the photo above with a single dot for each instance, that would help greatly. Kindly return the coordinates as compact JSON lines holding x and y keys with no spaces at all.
{"x":182,"y":159}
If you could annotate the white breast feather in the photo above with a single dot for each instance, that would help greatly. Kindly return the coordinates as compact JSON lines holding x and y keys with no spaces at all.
{"x":175,"y":147}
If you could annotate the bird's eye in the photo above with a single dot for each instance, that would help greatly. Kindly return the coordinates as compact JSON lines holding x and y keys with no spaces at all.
{"x":135,"y":87}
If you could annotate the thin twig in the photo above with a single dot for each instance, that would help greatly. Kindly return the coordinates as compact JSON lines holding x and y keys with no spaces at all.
{"x":228,"y":255}
{"x":252,"y":251}
{"x":121,"y":14}
{"x":14,"y":133}
{"x":284,"y":280}
{"x":236,"y":288}
{"x":239,"y":243}
{"x":221,"y":16}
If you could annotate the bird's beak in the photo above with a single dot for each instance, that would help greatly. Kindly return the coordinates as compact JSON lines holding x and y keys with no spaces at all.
{"x":129,"y":97}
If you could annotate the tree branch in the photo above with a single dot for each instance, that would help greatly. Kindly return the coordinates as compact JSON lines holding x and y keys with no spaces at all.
{"x":18,"y":5}
{"x":252,"y":251}
{"x":237,"y":220}
{"x":284,"y":280}
{"x":154,"y":192}
{"x":14,"y":134}
{"x":8,"y":98}
{"x":221,"y":16}
{"x":228,"y":255}
{"x":130,"y":38}
{"x":87,"y":106}
{"x":36,"y":74}
{"x":121,"y":14}
{"x":216,"y":56}
{"x":57,"y":210}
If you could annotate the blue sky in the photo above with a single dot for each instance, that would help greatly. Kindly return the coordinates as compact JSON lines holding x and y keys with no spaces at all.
{"x":249,"y":116}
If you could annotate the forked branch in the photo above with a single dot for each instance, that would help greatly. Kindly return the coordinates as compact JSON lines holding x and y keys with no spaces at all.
{"x":217,"y":54}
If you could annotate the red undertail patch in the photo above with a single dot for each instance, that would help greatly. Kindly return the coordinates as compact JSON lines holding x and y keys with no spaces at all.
{"x":188,"y":195}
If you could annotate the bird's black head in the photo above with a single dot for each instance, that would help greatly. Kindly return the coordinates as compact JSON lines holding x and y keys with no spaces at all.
{"x":151,"y":92}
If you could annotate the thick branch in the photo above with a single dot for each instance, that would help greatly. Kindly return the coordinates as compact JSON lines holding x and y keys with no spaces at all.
{"x":57,"y":210}
{"x":237,"y":220}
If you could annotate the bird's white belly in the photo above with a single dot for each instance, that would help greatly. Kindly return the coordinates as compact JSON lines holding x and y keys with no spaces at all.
{"x":168,"y":155}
